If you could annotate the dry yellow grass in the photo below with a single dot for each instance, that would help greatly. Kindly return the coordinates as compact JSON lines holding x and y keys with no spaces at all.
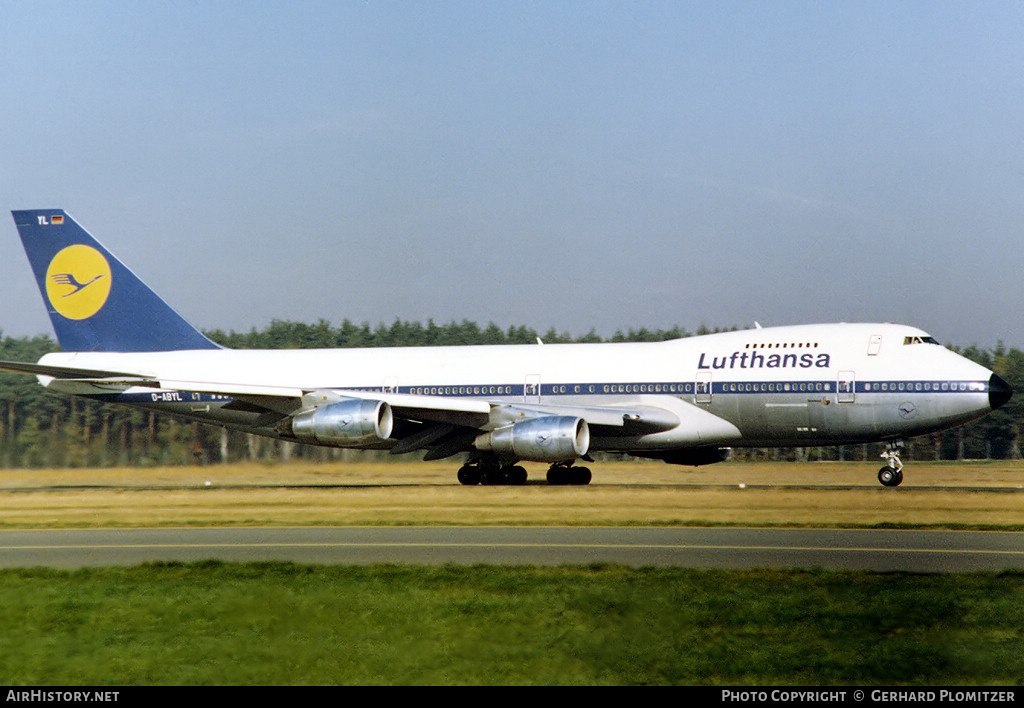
{"x":817,"y":494}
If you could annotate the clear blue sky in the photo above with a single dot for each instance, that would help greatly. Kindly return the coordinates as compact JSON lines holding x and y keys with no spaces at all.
{"x":573,"y":165}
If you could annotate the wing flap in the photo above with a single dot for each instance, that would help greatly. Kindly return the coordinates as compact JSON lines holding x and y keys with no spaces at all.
{"x":638,"y":417}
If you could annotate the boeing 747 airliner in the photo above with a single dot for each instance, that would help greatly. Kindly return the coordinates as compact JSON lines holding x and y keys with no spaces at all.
{"x":685,"y":401}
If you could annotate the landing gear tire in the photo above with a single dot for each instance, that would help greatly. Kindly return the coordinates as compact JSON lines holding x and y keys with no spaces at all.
{"x":469,"y":475}
{"x":566,"y":474}
{"x":579,"y":475}
{"x":495,"y":476}
{"x":516,"y":475}
{"x":558,"y":475}
{"x":890,"y":477}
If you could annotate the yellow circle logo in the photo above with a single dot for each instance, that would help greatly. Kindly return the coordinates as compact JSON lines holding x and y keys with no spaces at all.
{"x":78,"y":282}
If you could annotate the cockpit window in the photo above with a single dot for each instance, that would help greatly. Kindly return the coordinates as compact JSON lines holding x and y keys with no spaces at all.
{"x":919,"y":340}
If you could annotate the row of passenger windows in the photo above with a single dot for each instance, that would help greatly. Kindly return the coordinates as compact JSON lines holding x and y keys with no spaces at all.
{"x":781,"y":345}
{"x":647,"y":388}
{"x":924,"y":387}
{"x":777,"y":387}
{"x":531,"y":389}
{"x":466,"y":390}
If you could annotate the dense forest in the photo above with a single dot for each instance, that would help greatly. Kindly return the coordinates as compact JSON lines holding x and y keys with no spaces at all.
{"x":38,"y":428}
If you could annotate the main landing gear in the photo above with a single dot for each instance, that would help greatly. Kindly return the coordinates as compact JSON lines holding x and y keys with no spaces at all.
{"x":566,"y":473}
{"x":892,"y":474}
{"x":484,"y":471}
{"x":491,"y":473}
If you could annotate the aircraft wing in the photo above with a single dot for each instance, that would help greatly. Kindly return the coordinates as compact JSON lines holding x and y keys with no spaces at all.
{"x":474,"y":413}
{"x":445,"y":424}
{"x":471,"y":412}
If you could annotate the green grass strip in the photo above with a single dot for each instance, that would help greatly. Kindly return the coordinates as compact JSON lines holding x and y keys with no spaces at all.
{"x":277,"y":623}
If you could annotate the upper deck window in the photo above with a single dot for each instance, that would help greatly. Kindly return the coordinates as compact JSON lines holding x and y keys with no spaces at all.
{"x":783,"y":345}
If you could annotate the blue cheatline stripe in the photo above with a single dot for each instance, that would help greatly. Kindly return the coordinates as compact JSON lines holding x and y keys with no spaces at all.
{"x":718,"y":387}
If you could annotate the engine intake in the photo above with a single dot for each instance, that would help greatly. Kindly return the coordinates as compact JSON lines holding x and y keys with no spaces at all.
{"x":352,"y":423}
{"x":544,"y":439}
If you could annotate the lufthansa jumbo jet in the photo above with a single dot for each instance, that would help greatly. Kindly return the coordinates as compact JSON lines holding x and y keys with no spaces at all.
{"x":684,"y":401}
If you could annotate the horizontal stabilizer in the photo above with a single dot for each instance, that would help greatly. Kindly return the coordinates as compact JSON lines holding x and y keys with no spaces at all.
{"x":68,"y":373}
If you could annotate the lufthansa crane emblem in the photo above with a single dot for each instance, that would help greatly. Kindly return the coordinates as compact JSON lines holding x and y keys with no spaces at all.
{"x":78,"y":282}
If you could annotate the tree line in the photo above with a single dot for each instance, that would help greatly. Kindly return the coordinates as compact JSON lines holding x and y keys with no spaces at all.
{"x":43,"y":429}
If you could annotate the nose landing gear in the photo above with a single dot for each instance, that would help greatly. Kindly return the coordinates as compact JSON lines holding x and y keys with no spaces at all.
{"x":892,"y":474}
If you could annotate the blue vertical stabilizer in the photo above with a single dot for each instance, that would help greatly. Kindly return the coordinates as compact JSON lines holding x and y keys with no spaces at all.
{"x":94,"y":301}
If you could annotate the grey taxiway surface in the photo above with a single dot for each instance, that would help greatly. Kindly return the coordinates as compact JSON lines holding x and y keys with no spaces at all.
{"x":866,"y":549}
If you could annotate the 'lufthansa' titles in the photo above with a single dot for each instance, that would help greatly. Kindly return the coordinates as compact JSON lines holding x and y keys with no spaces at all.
{"x":756,"y":360}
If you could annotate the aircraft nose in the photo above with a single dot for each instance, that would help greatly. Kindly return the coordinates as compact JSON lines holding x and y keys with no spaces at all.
{"x":999,"y":392}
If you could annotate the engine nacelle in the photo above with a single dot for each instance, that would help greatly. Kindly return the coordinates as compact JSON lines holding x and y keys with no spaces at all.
{"x":546,"y":439}
{"x":354,"y":422}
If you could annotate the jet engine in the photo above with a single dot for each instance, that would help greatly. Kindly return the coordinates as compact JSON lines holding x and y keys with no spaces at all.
{"x":355,"y":422}
{"x":544,"y":439}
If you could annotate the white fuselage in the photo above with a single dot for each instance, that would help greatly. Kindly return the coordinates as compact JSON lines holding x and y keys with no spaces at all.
{"x":799,"y":385}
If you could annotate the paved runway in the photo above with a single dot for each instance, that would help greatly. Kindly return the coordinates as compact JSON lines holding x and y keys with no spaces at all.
{"x":877,"y":550}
